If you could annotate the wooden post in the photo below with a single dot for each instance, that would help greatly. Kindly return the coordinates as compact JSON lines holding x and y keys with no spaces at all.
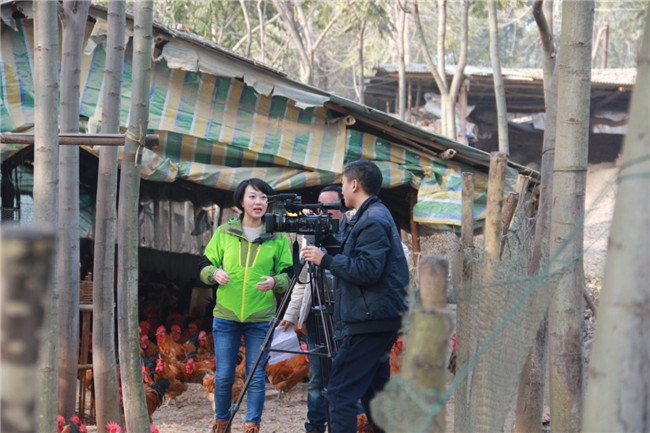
{"x":506,"y":216}
{"x":465,"y":342}
{"x":489,"y":295}
{"x":415,"y":230}
{"x":410,"y":398}
{"x":493,"y":222}
{"x":521,"y":188}
{"x":27,"y":256}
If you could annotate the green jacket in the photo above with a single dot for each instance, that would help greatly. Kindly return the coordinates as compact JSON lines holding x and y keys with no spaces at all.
{"x":246,"y":262}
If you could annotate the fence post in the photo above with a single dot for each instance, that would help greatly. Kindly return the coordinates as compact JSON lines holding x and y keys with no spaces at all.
{"x":26,"y":262}
{"x":409,"y":401}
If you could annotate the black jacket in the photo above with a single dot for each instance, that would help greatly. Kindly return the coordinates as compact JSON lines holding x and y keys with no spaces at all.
{"x":371,"y":272}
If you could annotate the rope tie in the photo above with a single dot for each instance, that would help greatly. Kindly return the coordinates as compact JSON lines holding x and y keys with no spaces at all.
{"x":140,"y":139}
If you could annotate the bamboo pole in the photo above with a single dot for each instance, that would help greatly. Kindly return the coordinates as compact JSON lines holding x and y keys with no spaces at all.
{"x":27,"y":256}
{"x":411,"y":400}
{"x":78,"y":139}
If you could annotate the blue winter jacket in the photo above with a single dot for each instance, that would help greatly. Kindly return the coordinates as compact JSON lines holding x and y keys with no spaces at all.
{"x":371,"y":272}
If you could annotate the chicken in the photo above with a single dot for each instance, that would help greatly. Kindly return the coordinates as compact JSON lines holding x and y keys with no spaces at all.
{"x":208,"y":385}
{"x":60,"y":423}
{"x":147,"y":348}
{"x":174,"y":374}
{"x":170,"y":350}
{"x":73,"y":425}
{"x":154,"y":395}
{"x":195,"y":370}
{"x":395,"y":356}
{"x":284,"y":375}
{"x":205,"y":349}
{"x":113,"y":427}
{"x":363,"y":425}
{"x":189,"y":332}
{"x":240,"y":378}
{"x":237,"y":386}
{"x":145,"y":328}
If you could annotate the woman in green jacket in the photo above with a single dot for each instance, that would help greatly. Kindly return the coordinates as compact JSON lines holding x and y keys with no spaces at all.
{"x":250,"y":266}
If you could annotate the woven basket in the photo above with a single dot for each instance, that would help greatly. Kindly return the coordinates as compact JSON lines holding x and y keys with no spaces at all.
{"x":86,"y":290}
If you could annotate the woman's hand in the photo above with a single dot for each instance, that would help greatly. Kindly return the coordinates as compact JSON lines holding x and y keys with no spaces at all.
{"x":221,"y":277}
{"x":284,"y":324}
{"x":267,"y":284}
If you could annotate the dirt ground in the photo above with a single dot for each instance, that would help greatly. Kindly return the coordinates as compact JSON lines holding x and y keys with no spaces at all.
{"x":193,"y":413}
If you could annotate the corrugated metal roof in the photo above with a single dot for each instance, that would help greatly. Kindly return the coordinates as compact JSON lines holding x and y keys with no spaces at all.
{"x":621,"y":76}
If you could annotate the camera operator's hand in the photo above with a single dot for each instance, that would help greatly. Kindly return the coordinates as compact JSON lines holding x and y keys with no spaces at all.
{"x":312,"y":254}
{"x":266,"y":285}
{"x":285,"y":324}
{"x":221,"y":277}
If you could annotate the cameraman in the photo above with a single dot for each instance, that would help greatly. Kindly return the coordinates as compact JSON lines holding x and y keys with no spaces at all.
{"x":299,"y":312}
{"x":371,"y":275}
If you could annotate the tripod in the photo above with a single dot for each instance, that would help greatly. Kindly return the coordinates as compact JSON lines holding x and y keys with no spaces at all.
{"x":322,"y":301}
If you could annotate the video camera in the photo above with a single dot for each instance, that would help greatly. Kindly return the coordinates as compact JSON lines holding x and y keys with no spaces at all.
{"x":317,"y":221}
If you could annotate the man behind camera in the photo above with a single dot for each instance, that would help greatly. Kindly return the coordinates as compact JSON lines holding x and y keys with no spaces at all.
{"x":299,"y":312}
{"x":371,"y":277}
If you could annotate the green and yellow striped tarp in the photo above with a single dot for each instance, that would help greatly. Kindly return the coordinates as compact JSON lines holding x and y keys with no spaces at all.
{"x":217,"y":131}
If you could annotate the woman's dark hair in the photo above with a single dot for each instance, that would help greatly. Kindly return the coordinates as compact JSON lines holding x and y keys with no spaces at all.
{"x":367,"y":173}
{"x":256,"y":183}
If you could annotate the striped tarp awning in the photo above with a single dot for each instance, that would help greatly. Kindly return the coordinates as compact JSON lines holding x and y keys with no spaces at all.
{"x":217,"y":131}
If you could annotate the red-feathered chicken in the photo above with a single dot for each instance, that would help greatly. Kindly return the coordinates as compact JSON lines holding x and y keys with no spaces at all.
{"x":154,"y":394}
{"x":284,"y":375}
{"x":73,"y":425}
{"x":238,"y":384}
{"x":169,"y":349}
{"x":396,"y":356}
{"x":147,"y":348}
{"x":205,"y":348}
{"x":363,"y":425}
{"x":175,"y":374}
{"x":195,"y":370}
{"x":113,"y":427}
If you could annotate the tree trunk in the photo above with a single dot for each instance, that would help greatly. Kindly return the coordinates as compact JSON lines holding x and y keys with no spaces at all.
{"x":73,"y":17}
{"x":569,"y":180}
{"x":499,"y":90}
{"x":248,"y":27}
{"x":401,"y":98}
{"x":135,"y":407}
{"x":619,"y":372}
{"x":26,"y":260}
{"x":448,"y":94}
{"x":107,"y":401}
{"x":530,"y":398}
{"x":46,"y":178}
{"x":362,"y":31}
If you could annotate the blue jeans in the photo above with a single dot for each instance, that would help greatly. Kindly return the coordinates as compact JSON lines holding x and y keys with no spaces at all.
{"x":316,"y":403}
{"x":227,"y":339}
{"x":360,"y":369}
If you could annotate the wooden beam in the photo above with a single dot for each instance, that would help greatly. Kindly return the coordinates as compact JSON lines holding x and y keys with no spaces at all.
{"x":150,"y":140}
